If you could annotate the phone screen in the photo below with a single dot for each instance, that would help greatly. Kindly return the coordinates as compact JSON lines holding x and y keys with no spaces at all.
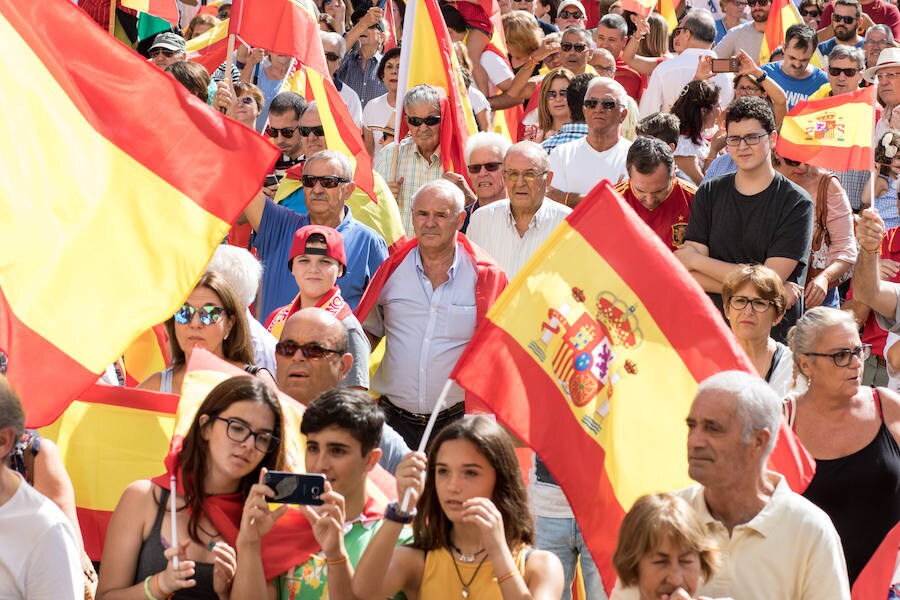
{"x":725,"y":65}
{"x":296,"y":488}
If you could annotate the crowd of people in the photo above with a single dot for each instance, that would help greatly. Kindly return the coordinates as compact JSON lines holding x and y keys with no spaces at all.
{"x":310,"y":299}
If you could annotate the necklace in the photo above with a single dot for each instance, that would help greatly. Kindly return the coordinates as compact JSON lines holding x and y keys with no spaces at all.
{"x":212,"y":537}
{"x":466,"y":558}
{"x":465,"y":584}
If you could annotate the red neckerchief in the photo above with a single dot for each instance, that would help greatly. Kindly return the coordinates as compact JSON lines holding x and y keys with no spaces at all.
{"x":332,"y":302}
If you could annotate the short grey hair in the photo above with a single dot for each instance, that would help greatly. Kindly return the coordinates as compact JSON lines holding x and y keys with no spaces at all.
{"x":334,"y":38}
{"x":532,"y":150}
{"x":805,"y":333}
{"x":888,"y":34}
{"x":444,"y":187}
{"x":487,"y":139}
{"x":849,"y":52}
{"x":584,"y":34}
{"x":614,"y":21}
{"x":758,"y":406}
{"x":617,"y":88}
{"x":346,"y":168}
{"x":421,"y":94}
{"x":11,"y":412}
{"x":701,"y":24}
{"x":240,"y":268}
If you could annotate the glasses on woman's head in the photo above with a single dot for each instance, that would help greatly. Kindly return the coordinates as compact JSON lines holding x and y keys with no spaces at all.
{"x":553,"y":94}
{"x":759,"y":305}
{"x":841,"y":358}
{"x":489,"y":166}
{"x":813,"y":14}
{"x":311,"y":351}
{"x":209,"y":314}
{"x":328,"y":181}
{"x":843,"y":19}
{"x":285,"y":132}
{"x":238,"y":431}
{"x":430,"y":120}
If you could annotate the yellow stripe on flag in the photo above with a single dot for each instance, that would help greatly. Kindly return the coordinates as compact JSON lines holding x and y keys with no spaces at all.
{"x":844,"y":126}
{"x":218,"y":33}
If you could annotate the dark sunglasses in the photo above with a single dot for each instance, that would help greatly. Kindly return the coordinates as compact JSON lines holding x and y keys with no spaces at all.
{"x":570,"y":15}
{"x":313,"y":351}
{"x":791,"y":163}
{"x":567,"y":47}
{"x":810,"y":13}
{"x":430,"y":120}
{"x":752,"y":3}
{"x":843,"y":19}
{"x":247,"y":100}
{"x":676,"y":31}
{"x":286,"y":132}
{"x":157,"y":51}
{"x":331,"y":56}
{"x":209,"y":314}
{"x":561,"y":93}
{"x":490,"y":167}
{"x":848,"y":72}
{"x":318,"y":130}
{"x":605,"y":104}
{"x":328,"y":181}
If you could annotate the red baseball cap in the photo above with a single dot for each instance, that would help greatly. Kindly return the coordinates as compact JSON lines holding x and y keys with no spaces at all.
{"x":334,"y":244}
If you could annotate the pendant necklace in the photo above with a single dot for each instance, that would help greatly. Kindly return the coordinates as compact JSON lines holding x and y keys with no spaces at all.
{"x":466,"y":558}
{"x":465,"y":584}
{"x":212,"y":537}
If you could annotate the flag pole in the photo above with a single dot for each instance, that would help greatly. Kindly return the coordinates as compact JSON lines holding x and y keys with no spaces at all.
{"x":404,"y":506}
{"x":229,"y":63}
{"x":112,"y":17}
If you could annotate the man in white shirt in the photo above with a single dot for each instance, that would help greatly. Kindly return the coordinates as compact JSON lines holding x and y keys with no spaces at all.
{"x":692,"y":39}
{"x":511,"y":230}
{"x":580,"y":165}
{"x":39,"y":554}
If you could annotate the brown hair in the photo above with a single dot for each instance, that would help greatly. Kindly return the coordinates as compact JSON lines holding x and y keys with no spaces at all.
{"x":545,"y":121}
{"x":192,"y":76}
{"x":199,"y":19}
{"x":656,"y":42}
{"x":765,"y":280}
{"x":245,"y":88}
{"x":237,"y":347}
{"x":653,"y":519}
{"x":431,"y":527}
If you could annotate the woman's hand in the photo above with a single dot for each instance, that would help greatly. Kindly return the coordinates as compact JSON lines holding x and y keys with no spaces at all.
{"x":410,"y":475}
{"x":256,"y":56}
{"x":171,"y":580}
{"x":642,"y":27}
{"x":704,"y":68}
{"x":816,"y":290}
{"x":224,"y":569}
{"x":257,"y":520}
{"x":482,"y":513}
{"x":793,"y":292}
{"x":747,"y":66}
{"x":545,"y":49}
{"x":327,"y":523}
{"x":223,"y":99}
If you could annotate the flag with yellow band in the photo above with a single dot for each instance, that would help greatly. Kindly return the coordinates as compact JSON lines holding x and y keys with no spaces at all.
{"x":164,"y":9}
{"x":122,"y":229}
{"x":210,"y":49}
{"x":596,"y":349}
{"x":782,"y":14}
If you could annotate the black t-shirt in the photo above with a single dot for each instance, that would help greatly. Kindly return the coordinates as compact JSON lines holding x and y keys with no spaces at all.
{"x":776,"y":222}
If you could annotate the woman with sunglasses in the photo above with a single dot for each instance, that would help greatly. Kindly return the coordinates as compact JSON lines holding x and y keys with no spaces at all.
{"x":811,"y":12}
{"x":247,"y":105}
{"x":853,"y":432}
{"x":211,"y":318}
{"x":553,"y":108}
{"x":833,"y":247}
{"x":236,"y":433}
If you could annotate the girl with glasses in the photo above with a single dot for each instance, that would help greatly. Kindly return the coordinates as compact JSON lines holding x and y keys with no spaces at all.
{"x":235,"y":434}
{"x":853,"y":432}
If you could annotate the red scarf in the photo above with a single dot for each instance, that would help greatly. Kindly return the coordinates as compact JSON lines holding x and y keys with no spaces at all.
{"x":332,"y":302}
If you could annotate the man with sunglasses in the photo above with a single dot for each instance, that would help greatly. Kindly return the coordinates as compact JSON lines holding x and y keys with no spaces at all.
{"x":795,"y":74}
{"x":570,"y":13}
{"x":875,"y":12}
{"x":484,"y":161}
{"x":747,"y":37}
{"x":845,"y":24}
{"x":167,"y":48}
{"x":692,"y":39}
{"x":359,"y":68}
{"x":284,"y":122}
{"x":575,"y":50}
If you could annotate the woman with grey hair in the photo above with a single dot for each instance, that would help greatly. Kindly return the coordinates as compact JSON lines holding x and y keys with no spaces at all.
{"x":853,"y":432}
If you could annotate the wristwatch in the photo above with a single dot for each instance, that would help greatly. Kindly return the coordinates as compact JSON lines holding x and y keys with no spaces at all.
{"x":762,"y":77}
{"x":392,"y":513}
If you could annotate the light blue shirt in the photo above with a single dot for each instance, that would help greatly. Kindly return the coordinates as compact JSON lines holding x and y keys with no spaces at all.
{"x":426,"y":331}
{"x":796,"y":89}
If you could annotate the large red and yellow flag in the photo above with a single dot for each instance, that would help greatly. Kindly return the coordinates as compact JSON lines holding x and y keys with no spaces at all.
{"x":596,"y":349}
{"x":149,"y":184}
{"x":164,"y":9}
{"x":833,"y":133}
{"x":782,"y":14}
{"x":427,"y":57}
{"x":210,"y":49}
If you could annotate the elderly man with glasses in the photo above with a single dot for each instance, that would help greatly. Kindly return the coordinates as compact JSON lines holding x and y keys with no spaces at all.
{"x":878,"y":37}
{"x":484,"y":161}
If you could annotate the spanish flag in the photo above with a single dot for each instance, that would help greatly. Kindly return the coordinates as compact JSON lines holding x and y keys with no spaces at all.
{"x":667,"y":9}
{"x":782,"y":14}
{"x":596,"y":349}
{"x":140,"y":182}
{"x":163,"y":9}
{"x":833,"y":133}
{"x":210,"y":49}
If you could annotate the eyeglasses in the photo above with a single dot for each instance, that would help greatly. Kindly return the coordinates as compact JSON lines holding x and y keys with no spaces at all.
{"x":751,"y":139}
{"x":875,"y":43}
{"x":841,"y":358}
{"x":843,"y":19}
{"x":529,"y":175}
{"x":759,"y":305}
{"x":791,"y":163}
{"x":747,"y":89}
{"x":887,"y":76}
{"x":848,"y":72}
{"x":676,"y":31}
{"x":553,"y":94}
{"x":157,"y":51}
{"x":328,"y":181}
{"x":313,"y":351}
{"x":605,"y":104}
{"x":568,"y":46}
{"x":331,"y":56}
{"x":209,"y":314}
{"x":238,"y":431}
{"x":430,"y":120}
{"x":316,"y":129}
{"x":810,"y":13}
{"x":569,"y":15}
{"x":247,"y":100}
{"x":286,"y":132}
{"x":490,"y":167}
{"x":741,"y":3}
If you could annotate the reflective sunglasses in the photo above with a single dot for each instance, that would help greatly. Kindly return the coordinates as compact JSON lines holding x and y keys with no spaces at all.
{"x":841,"y":358}
{"x":605,"y":104}
{"x":328,"y":181}
{"x":843,"y":19}
{"x":332,"y":57}
{"x":165,"y":52}
{"x":552,"y":94}
{"x":430,"y":120}
{"x":319,"y":130}
{"x":238,"y":431}
{"x":848,"y":72}
{"x":759,"y":305}
{"x":311,"y":351}
{"x":570,"y":15}
{"x":490,"y":167}
{"x":286,"y":132}
{"x":752,"y":3}
{"x":578,"y":46}
{"x":791,"y":163}
{"x":209,"y":314}
{"x":751,"y":139}
{"x":810,"y":13}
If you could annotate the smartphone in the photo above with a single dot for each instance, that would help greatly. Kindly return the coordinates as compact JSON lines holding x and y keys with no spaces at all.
{"x":271,"y":179}
{"x":381,"y":4}
{"x":726,"y":65}
{"x":296,"y":488}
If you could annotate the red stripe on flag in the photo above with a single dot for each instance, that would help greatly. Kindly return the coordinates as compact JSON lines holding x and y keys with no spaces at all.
{"x":131,"y":398}
{"x":93,"y":525}
{"x":827,"y":157}
{"x":211,"y":56}
{"x":173,"y":126}
{"x":875,"y":579}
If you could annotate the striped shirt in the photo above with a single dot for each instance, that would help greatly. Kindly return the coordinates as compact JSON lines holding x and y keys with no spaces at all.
{"x":363,"y":78}
{"x":413,"y":168}
{"x":569,"y":132}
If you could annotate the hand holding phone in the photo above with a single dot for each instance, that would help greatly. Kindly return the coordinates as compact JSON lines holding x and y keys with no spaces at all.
{"x":726,"y":65}
{"x":296,"y":488}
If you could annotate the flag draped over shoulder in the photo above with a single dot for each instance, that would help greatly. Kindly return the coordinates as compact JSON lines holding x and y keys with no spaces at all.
{"x":146,"y":182}
{"x":210,"y":49}
{"x":427,"y":57}
{"x":833,"y":133}
{"x":595,"y":355}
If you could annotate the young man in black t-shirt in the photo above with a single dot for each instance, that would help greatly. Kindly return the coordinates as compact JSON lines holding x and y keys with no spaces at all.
{"x":753,"y":216}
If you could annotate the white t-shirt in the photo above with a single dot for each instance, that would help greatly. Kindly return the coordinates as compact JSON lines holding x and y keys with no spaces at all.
{"x":496,"y":68}
{"x":39,"y":555}
{"x":378,"y":113}
{"x":577,"y":167}
{"x":351,"y":99}
{"x":478,"y":101}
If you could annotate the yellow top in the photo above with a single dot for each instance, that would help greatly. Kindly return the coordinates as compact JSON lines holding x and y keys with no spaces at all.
{"x":441,"y":580}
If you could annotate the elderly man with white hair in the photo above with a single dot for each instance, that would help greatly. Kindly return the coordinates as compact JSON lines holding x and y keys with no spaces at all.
{"x":484,"y":161}
{"x":426,"y":301}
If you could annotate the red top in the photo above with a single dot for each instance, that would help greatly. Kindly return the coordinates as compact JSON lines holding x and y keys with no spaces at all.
{"x":669,"y":220}
{"x":879,"y":11}
{"x":633,"y":82}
